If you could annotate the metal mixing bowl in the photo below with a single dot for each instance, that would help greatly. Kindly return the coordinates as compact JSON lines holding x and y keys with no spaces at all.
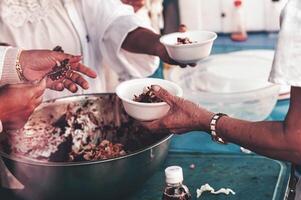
{"x":106,"y":179}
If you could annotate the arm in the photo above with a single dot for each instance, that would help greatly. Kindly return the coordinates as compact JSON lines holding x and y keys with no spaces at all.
{"x":278,"y":140}
{"x":145,"y":41}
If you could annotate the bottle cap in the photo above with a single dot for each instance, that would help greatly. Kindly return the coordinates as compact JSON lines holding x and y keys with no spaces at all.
{"x":237,"y":3}
{"x":174,"y":175}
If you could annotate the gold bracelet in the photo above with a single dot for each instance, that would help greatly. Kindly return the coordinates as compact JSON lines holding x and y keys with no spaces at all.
{"x":19,"y":68}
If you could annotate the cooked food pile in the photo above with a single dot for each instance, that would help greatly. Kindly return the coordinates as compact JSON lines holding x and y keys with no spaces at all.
{"x":93,"y":129}
{"x":185,"y":40}
{"x":147,"y":96}
{"x":60,"y":70}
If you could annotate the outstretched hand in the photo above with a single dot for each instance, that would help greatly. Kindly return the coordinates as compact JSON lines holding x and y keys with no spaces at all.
{"x":183,"y":116}
{"x":37,"y":63}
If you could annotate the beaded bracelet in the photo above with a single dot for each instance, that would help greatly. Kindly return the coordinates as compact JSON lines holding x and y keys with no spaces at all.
{"x":213,"y":124}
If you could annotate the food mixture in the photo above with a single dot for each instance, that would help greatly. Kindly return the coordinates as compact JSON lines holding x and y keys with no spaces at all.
{"x":60,"y":70}
{"x":185,"y":40}
{"x":92,"y":129}
{"x":147,"y":96}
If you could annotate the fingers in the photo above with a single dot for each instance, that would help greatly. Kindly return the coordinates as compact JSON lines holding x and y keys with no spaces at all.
{"x":163,"y":94}
{"x":152,"y":126}
{"x":84,"y":70}
{"x":39,"y":88}
{"x":78,"y":79}
{"x":182,"y":28}
{"x":59,"y":56}
{"x":34,"y":89}
{"x":57,"y":86}
{"x":36,"y":103}
{"x":69,"y":85}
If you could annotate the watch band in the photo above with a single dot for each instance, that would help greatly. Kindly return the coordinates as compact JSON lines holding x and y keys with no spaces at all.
{"x":213,"y":124}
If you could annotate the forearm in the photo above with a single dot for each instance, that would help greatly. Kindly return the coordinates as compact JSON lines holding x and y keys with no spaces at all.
{"x":267,"y":138}
{"x":142,"y":41}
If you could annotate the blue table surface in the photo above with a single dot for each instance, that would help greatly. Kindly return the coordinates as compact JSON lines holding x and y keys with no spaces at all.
{"x":201,"y":142}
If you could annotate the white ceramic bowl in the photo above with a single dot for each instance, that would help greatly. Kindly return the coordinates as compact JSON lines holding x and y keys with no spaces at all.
{"x":145,"y":111}
{"x":189,"y":53}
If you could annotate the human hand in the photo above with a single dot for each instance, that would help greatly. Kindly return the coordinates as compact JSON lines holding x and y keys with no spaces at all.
{"x":137,"y":4}
{"x":17,"y":103}
{"x":164,"y":54}
{"x":183,"y":116}
{"x":37,"y":63}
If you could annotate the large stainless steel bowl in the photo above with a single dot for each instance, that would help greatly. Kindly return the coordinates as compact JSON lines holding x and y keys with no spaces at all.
{"x":107,"y":179}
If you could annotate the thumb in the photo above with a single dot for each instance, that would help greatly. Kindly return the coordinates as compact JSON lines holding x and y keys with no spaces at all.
{"x":38,"y":88}
{"x":182,"y":28}
{"x":163,"y":94}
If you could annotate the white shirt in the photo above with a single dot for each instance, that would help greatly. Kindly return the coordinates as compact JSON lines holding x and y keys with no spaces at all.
{"x":286,"y":68}
{"x":36,"y":24}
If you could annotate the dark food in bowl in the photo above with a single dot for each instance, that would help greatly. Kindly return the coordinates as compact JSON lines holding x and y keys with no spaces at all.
{"x":185,"y":40}
{"x":85,"y":130}
{"x":147,"y":97}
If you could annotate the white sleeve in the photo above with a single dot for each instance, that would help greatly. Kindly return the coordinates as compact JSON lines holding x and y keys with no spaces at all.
{"x":2,"y":56}
{"x":126,"y":64}
{"x":108,"y":23}
{"x":286,"y":68}
{"x":8,"y":72}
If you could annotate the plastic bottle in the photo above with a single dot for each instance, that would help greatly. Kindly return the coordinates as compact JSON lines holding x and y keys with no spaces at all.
{"x":240,"y":33}
{"x":175,"y":189}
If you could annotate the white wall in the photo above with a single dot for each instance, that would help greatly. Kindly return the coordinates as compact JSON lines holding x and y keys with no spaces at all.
{"x":259,"y":15}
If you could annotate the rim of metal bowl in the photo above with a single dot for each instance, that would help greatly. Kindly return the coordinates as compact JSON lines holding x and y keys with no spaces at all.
{"x":80,"y":163}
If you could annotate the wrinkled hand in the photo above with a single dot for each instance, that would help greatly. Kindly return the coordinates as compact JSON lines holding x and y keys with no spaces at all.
{"x":137,"y":4}
{"x":37,"y":63}
{"x":17,"y":103}
{"x":183,"y":116}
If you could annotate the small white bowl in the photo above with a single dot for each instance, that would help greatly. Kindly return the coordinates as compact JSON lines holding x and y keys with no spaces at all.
{"x":189,"y":53}
{"x":145,"y":111}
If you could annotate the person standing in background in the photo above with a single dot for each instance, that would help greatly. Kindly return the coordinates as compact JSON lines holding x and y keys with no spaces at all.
{"x":150,"y":11}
